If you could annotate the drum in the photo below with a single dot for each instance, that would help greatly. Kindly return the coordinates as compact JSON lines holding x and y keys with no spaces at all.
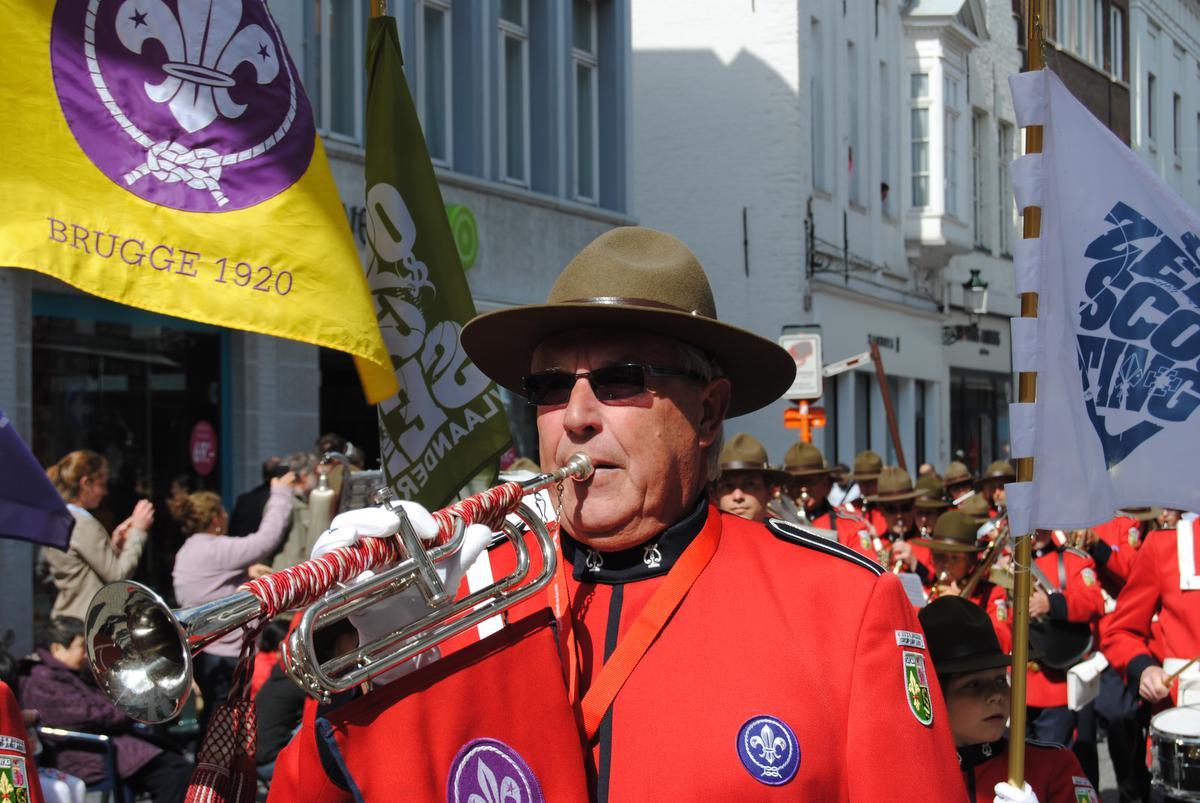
{"x":1175,"y":744}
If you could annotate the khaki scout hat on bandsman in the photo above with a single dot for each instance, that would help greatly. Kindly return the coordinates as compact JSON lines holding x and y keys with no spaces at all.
{"x":804,"y":460}
{"x":957,"y":472}
{"x":933,"y":498}
{"x":867,"y":466}
{"x":894,"y":486}
{"x":632,"y":279}
{"x":976,"y":507}
{"x":999,"y":470}
{"x":954,"y":531}
{"x":744,"y":452}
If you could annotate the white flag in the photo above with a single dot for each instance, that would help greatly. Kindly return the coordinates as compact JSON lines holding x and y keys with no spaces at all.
{"x":1117,"y":337}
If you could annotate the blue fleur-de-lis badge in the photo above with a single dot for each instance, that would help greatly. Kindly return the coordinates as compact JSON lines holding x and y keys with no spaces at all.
{"x":768,"y":750}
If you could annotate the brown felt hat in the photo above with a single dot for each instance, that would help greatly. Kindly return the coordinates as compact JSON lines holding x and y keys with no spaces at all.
{"x":1141,"y":513}
{"x":632,"y":279}
{"x":999,"y":470}
{"x":958,"y":472}
{"x":894,"y":486}
{"x":744,"y":452}
{"x":954,"y":531}
{"x":960,"y":637}
{"x":930,"y":485}
{"x":867,"y":466}
{"x":804,"y":460}
{"x":976,"y":507}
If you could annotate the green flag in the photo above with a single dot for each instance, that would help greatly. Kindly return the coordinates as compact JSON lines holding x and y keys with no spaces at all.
{"x":447,"y":423}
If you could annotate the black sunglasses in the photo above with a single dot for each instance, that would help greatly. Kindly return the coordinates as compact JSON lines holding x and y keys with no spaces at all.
{"x":610,"y":383}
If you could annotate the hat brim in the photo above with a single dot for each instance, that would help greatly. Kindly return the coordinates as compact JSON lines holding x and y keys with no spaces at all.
{"x":865,"y":476}
{"x":973,"y":663}
{"x":1141,"y":514}
{"x":797,"y":473}
{"x":946,"y":545}
{"x":772,"y":475}
{"x":932,"y":504}
{"x":501,"y":344}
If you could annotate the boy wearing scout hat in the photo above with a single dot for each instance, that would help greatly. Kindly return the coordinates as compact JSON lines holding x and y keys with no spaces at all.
{"x":973,"y":672}
{"x":747,"y":482}
{"x":959,"y":482}
{"x":991,"y":484}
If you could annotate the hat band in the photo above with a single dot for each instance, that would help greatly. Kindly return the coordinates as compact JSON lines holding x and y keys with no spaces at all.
{"x":627,"y":301}
{"x":744,"y":465}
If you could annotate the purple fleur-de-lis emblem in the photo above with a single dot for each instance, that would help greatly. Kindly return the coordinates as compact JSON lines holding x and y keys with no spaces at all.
{"x":192,"y":105}
{"x":204,"y":46}
{"x":490,"y":771}
{"x":768,"y":750}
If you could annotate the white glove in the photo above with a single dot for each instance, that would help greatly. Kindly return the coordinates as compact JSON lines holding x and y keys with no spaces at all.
{"x":408,"y":606}
{"x":1007,"y":793}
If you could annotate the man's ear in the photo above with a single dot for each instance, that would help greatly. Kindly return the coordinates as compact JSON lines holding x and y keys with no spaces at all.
{"x":713,"y":406}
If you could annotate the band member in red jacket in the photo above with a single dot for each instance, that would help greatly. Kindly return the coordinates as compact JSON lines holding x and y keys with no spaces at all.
{"x":888,"y":545}
{"x":956,"y":555}
{"x":960,"y":483}
{"x":973,"y":672}
{"x":709,"y":660}
{"x":1068,"y":592}
{"x":808,"y":484}
{"x":991,"y":485}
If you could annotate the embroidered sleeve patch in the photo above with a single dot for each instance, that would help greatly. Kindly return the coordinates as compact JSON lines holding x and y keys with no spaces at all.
{"x":909,"y":638}
{"x":1085,"y":794}
{"x":916,"y":686}
{"x":14,"y":785}
{"x":1089,"y":577}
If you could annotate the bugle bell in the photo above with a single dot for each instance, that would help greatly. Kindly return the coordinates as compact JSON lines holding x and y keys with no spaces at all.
{"x":141,"y":651}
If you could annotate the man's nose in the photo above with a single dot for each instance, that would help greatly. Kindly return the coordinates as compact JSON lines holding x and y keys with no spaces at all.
{"x":582,"y":412}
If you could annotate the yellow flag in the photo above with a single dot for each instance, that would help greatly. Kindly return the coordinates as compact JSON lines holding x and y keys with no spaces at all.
{"x":163,"y":155}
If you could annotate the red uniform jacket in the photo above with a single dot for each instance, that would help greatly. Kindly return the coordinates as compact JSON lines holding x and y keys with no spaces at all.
{"x":1052,"y":772}
{"x":1130,"y":639}
{"x":1114,"y":552}
{"x":789,"y":655}
{"x":861,"y":541}
{"x":1081,"y":601}
{"x":18,"y":773}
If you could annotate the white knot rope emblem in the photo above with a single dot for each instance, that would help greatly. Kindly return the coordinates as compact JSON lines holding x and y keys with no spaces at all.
{"x":170,"y":162}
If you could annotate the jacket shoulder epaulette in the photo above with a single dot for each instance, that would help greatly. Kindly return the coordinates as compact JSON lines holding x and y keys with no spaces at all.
{"x":1045,"y":745}
{"x":797,"y":534}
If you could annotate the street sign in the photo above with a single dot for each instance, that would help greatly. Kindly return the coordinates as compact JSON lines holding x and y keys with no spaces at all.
{"x":842,"y":366}
{"x":805,"y":349}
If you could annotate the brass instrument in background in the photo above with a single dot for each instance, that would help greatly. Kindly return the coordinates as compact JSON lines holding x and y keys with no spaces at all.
{"x":141,"y":651}
{"x":984,"y":566}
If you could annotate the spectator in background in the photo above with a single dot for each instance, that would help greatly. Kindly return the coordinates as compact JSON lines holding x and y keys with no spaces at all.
{"x":267,"y":657}
{"x":211,"y":565}
{"x":248,"y":509}
{"x":300,"y":539}
{"x":53,"y":682}
{"x":93,"y":558}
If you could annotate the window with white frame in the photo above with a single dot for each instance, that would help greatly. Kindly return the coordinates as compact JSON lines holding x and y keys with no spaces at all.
{"x":1177,"y":125}
{"x":585,"y":130}
{"x":950,"y":135}
{"x":978,"y":120}
{"x":1079,"y":28}
{"x":919,"y":124}
{"x":333,"y":66}
{"x":434,"y":73}
{"x":1097,"y":33}
{"x":514,"y":91}
{"x":1116,"y":46}
{"x":1151,"y":88}
{"x":854,"y":155}
{"x":1007,"y":210}
{"x":817,"y":120}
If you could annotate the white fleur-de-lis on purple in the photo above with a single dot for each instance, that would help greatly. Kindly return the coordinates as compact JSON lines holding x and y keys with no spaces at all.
{"x":204,"y":46}
{"x":493,"y":793}
{"x":769,"y":745}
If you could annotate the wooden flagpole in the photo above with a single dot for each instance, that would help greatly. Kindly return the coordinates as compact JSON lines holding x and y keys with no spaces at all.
{"x":1026,"y":394}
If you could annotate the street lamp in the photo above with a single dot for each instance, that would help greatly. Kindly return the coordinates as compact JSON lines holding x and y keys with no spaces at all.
{"x":974,"y":304}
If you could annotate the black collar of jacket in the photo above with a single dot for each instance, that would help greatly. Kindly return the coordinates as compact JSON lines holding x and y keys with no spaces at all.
{"x":972,"y":755}
{"x":648,"y":559}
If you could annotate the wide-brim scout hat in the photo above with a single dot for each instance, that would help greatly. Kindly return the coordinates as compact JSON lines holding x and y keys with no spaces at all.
{"x":999,"y":470}
{"x":867,"y":466}
{"x":804,"y":460}
{"x":960,"y":637}
{"x":1142,"y":514}
{"x":744,"y":452}
{"x":894,"y":486}
{"x":934,"y":494}
{"x":957,"y":473}
{"x":954,"y":531}
{"x":977,"y":508}
{"x":632,"y":279}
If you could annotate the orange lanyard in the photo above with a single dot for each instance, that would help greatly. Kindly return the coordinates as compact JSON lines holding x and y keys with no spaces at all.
{"x":644,"y":630}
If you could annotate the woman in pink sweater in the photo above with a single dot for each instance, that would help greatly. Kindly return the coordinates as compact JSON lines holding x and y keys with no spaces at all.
{"x":211,"y":565}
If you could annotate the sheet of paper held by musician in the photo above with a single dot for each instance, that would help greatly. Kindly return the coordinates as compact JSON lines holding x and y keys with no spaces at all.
{"x":604,"y":400}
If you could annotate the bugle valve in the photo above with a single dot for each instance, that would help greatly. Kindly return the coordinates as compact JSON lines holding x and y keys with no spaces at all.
{"x":141,"y":651}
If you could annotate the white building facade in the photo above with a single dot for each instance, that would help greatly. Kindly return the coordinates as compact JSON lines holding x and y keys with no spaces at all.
{"x":1164,"y":80}
{"x":818,"y":157}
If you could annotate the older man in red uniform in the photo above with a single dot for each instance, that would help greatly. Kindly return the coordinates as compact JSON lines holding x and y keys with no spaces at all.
{"x":715,"y":658}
